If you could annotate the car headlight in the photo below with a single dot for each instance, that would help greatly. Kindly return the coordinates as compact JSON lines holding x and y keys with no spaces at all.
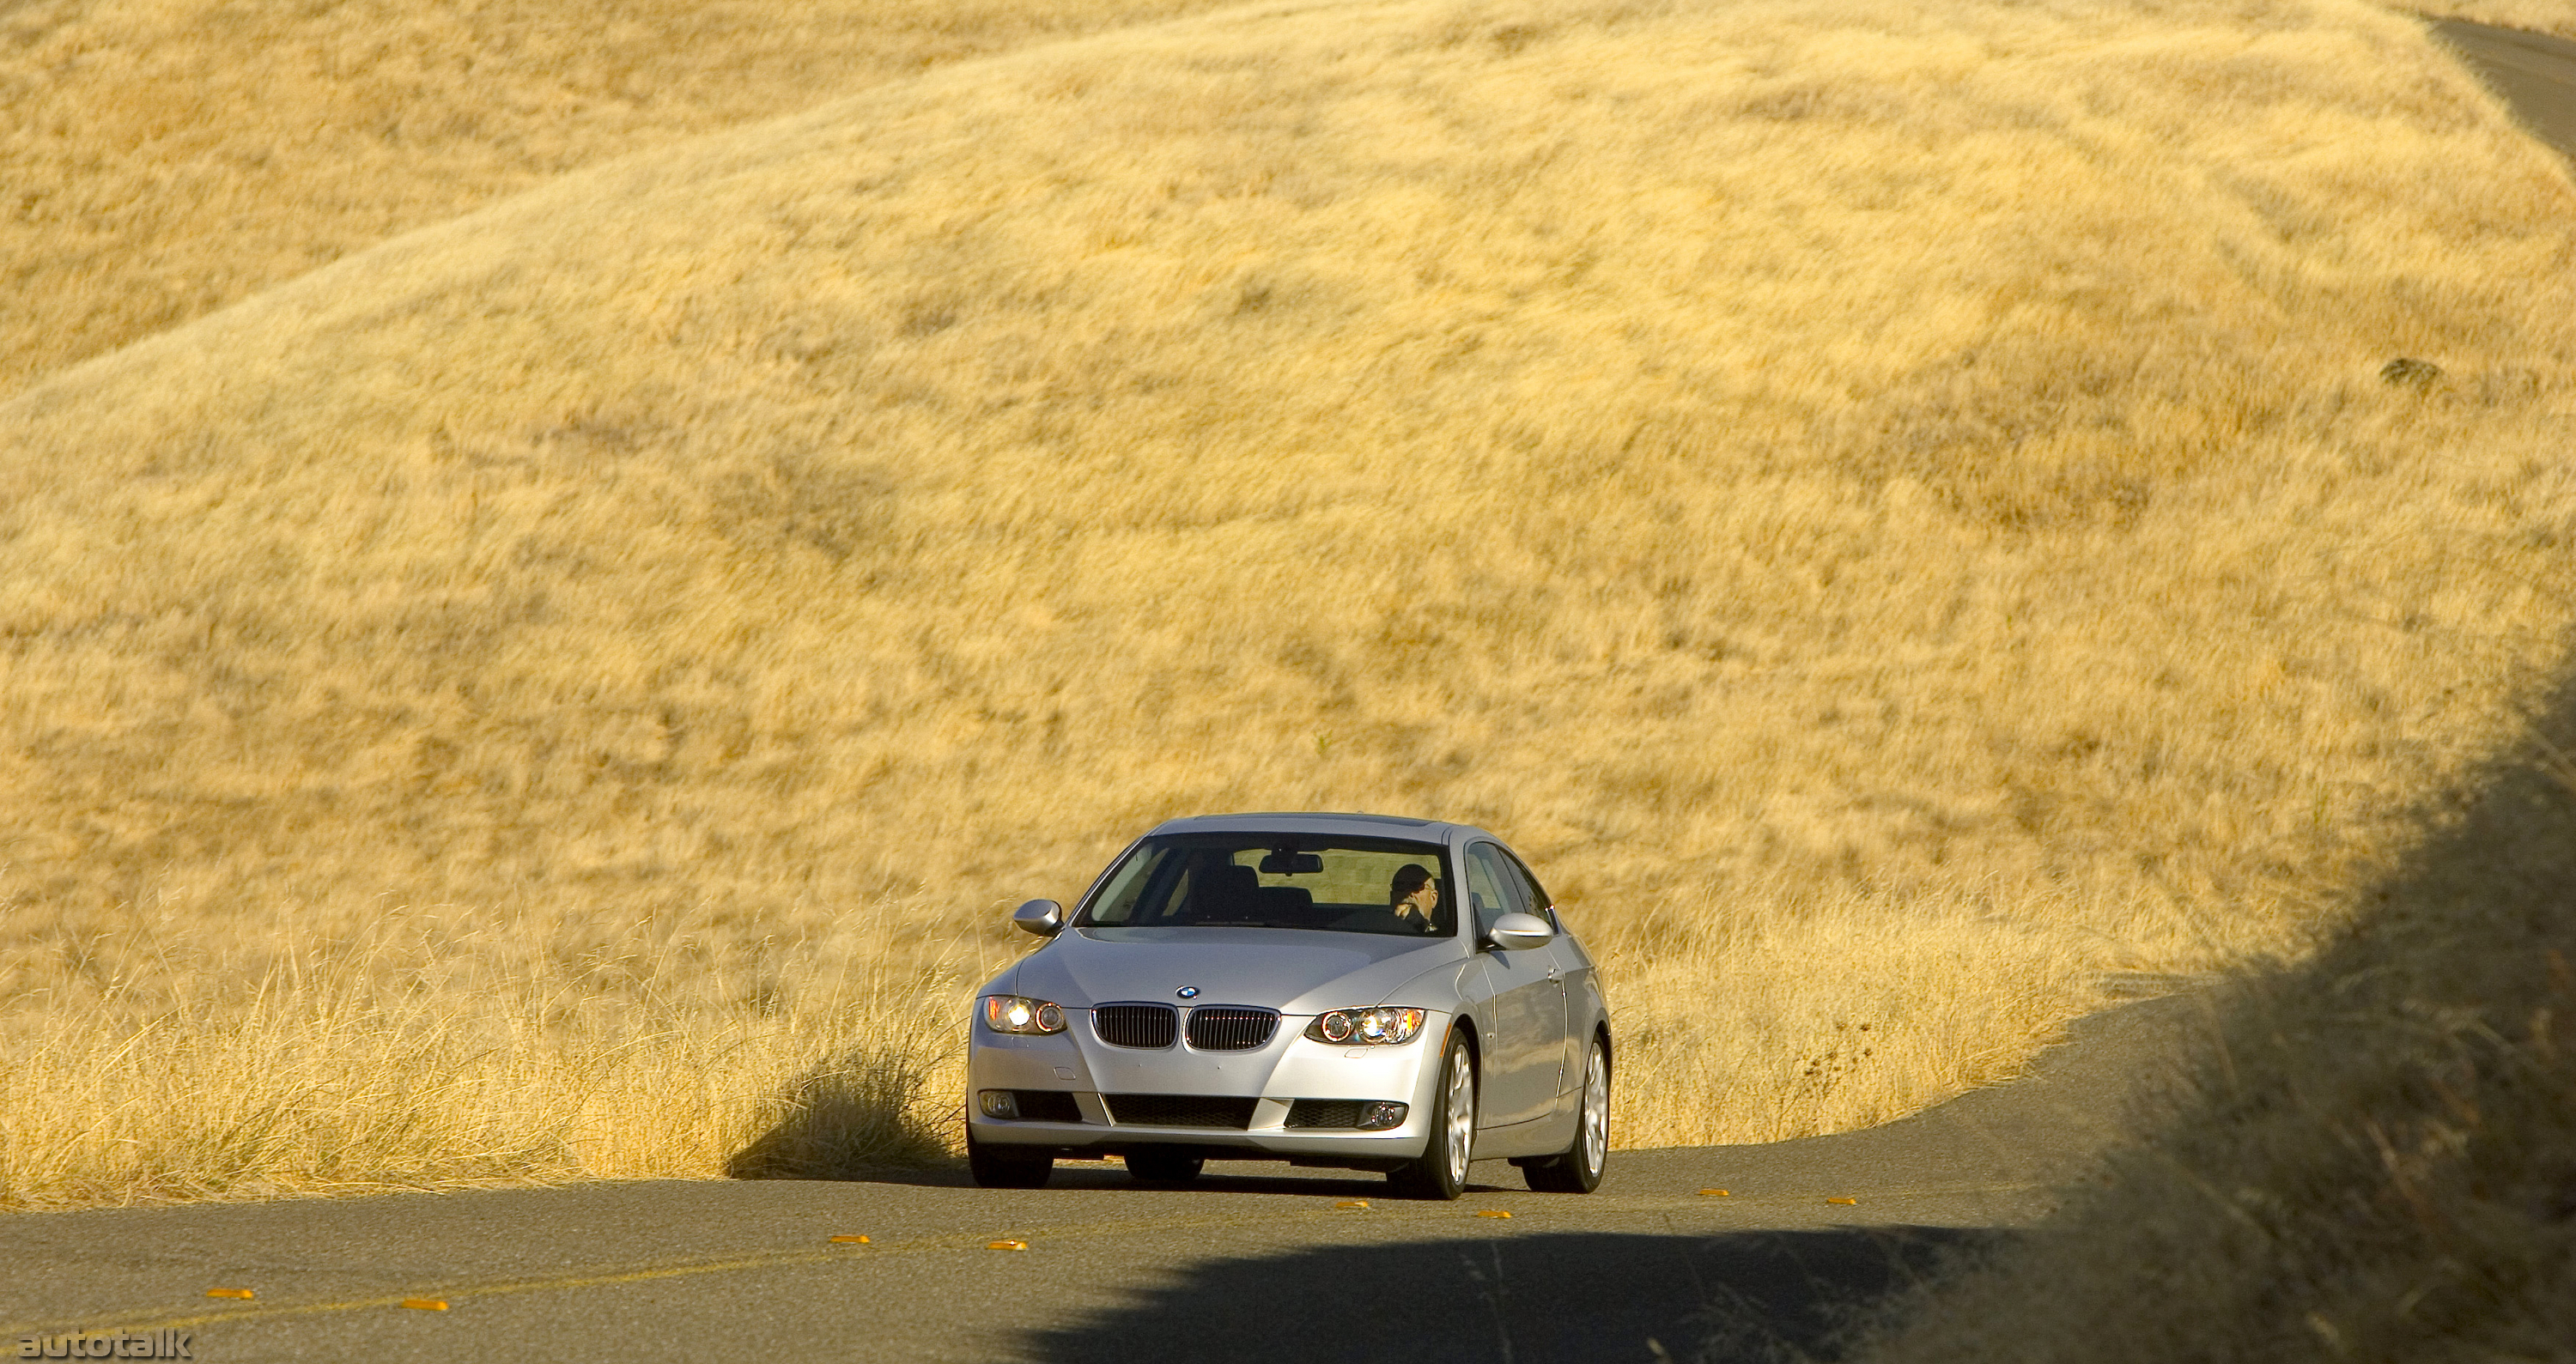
{"x":1012,"y":1013}
{"x":1379,"y":1027}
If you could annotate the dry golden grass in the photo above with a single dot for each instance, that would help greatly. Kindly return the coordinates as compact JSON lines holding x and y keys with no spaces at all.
{"x":1893,"y":509}
{"x":420,"y":1049}
{"x":166,"y":157}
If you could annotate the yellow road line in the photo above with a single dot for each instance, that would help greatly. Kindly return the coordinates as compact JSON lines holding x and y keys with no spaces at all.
{"x":765,"y":1260}
{"x":68,"y":1325}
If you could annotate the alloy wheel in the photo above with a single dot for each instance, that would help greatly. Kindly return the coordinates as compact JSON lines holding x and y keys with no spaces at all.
{"x":1462,"y":1114}
{"x":1596,"y":1110}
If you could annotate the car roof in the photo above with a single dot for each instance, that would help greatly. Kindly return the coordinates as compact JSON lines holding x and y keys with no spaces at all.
{"x":1322,"y":822}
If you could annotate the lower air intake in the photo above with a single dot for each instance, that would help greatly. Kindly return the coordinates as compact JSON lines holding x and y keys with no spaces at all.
{"x":1046,"y":1105}
{"x":1343,"y":1113}
{"x":1180,"y":1110}
{"x":1350,"y":1115}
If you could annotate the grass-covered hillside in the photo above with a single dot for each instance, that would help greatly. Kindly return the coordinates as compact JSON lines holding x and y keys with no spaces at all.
{"x":1898,"y":510}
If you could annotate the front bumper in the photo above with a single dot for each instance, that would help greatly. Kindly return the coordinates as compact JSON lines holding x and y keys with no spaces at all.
{"x":1276,"y":1075}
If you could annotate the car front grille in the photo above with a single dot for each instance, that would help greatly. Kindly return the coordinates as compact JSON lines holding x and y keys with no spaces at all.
{"x":1135,"y":1025}
{"x":1324,"y":1113}
{"x":1225,"y":1028}
{"x":1180,"y":1110}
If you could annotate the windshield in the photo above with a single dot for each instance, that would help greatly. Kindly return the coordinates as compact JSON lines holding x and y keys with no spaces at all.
{"x":1314,"y":881}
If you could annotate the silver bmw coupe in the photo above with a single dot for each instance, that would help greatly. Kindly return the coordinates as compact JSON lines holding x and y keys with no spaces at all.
{"x":1354,"y":991}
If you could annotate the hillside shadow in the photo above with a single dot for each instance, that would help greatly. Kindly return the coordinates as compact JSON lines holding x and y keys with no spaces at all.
{"x":2393,"y":1117}
{"x":2470,"y":914}
{"x":1755,"y":1296}
{"x":2451,"y":987}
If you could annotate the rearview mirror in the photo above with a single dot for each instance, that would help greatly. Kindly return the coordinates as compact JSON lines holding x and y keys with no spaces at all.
{"x":1042,"y":917}
{"x":1291,"y":863}
{"x":1519,"y":932}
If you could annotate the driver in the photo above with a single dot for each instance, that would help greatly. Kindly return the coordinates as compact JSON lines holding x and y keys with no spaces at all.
{"x":1413,"y":895}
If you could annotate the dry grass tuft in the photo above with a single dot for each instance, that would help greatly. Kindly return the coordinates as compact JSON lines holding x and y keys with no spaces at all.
{"x":848,"y":1115}
{"x":1894,"y":509}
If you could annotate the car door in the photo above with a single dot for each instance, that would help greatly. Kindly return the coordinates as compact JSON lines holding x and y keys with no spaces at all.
{"x":1525,"y":1031}
{"x":1574,"y":974}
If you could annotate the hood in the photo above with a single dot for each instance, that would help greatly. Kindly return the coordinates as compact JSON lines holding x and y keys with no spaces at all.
{"x":1295,"y":971}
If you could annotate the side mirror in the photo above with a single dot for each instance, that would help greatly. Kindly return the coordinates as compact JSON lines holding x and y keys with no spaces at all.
{"x":1519,"y":932}
{"x":1042,"y":917}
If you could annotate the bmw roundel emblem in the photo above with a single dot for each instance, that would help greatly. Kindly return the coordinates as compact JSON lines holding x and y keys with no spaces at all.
{"x":1189,"y":992}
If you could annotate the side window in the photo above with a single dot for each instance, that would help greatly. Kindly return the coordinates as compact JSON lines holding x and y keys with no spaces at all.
{"x":1532,"y":894}
{"x":1490,"y":886}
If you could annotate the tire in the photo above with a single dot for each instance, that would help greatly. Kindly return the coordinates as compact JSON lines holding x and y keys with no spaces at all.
{"x":1578,"y":1168}
{"x":1164,"y":1165}
{"x":1441,"y":1172}
{"x":1007,"y":1167}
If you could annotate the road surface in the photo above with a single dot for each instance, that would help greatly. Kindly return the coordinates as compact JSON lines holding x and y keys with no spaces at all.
{"x":1255,"y":1263}
{"x":2535,"y":73}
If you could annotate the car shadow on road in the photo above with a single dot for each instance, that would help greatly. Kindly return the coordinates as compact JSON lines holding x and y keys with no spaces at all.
{"x":1243,"y":1177}
{"x":1518,"y":1299}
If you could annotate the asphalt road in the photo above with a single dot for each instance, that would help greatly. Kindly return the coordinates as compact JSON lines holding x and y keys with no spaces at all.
{"x":2535,"y":73}
{"x":1253,"y":1264}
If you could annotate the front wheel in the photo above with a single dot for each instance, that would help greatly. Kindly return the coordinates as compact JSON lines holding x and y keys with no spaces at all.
{"x":1007,"y":1167}
{"x":1441,"y":1173}
{"x":1578,"y":1169}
